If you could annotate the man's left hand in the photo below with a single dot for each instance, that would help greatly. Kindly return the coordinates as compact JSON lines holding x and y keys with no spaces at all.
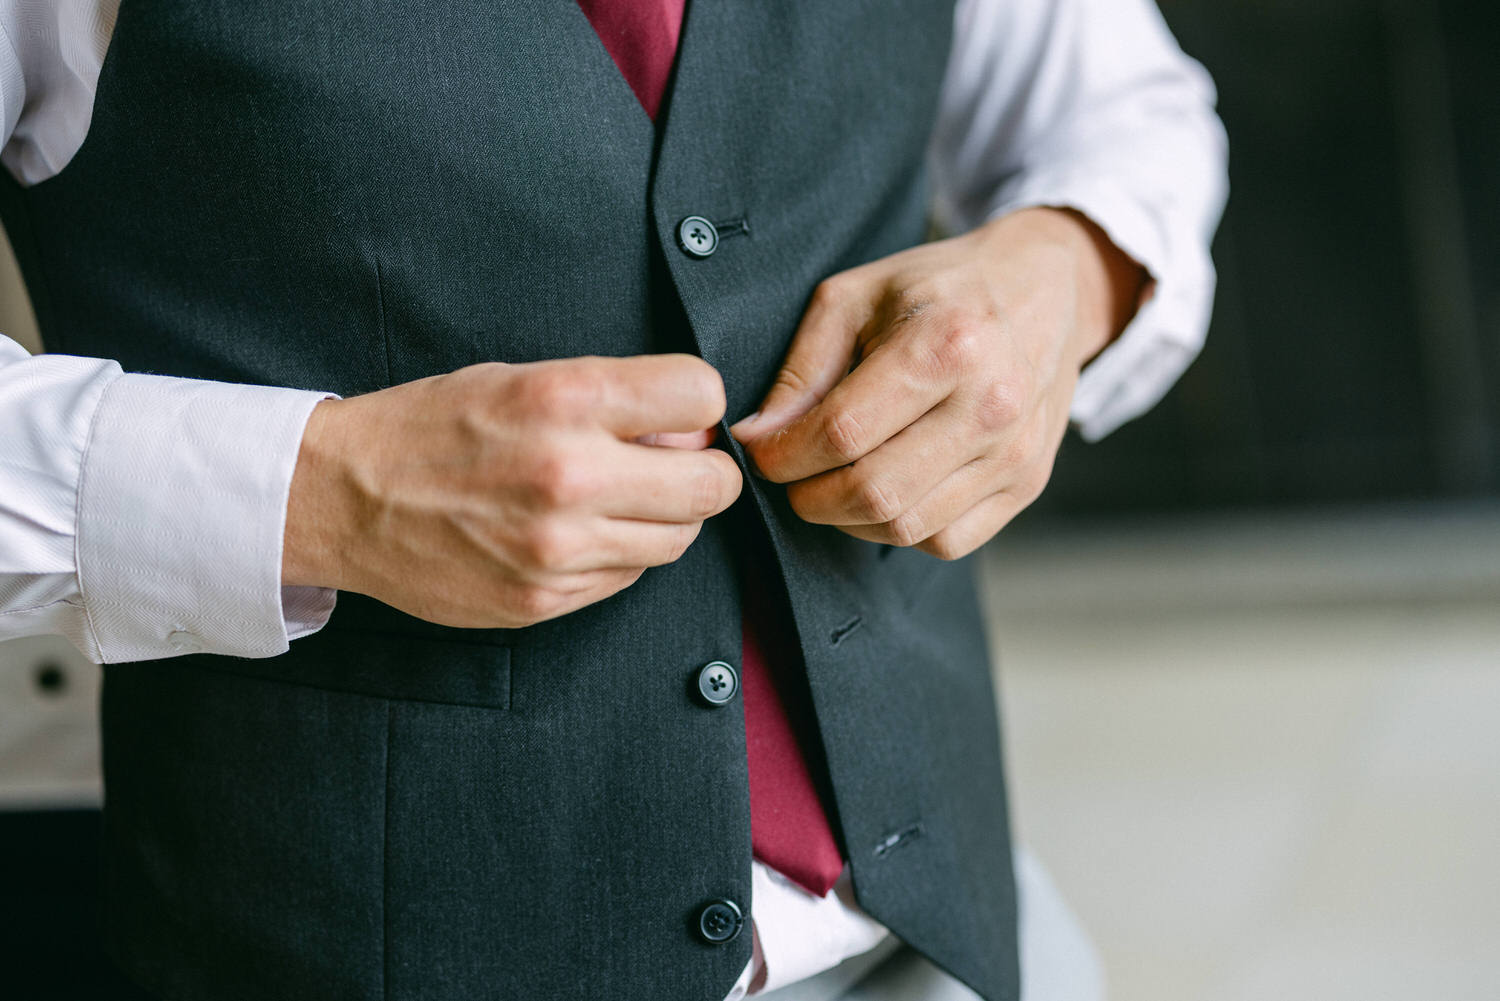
{"x":925,"y":395}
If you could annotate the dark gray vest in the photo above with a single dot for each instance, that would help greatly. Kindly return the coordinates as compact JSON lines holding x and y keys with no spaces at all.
{"x":346,"y":194}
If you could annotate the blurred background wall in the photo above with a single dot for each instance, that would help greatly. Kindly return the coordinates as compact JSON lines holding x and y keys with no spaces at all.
{"x":1249,"y":644}
{"x":1355,"y":347}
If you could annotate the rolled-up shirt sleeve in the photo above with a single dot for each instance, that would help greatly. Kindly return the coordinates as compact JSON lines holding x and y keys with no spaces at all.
{"x":1091,"y":105}
{"x":142,"y":516}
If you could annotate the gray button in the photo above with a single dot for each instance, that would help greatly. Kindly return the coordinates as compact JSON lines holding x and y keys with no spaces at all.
{"x":698,"y":236}
{"x":720,"y":921}
{"x":718,"y":683}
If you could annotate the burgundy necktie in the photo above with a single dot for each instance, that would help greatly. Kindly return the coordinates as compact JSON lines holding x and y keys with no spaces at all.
{"x":641,"y":36}
{"x":789,"y":828}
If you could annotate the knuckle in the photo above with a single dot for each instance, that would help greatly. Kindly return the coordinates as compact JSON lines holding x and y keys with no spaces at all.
{"x":843,"y":435}
{"x":564,"y":392}
{"x":945,"y":546}
{"x":1014,"y":452}
{"x":559,"y":481}
{"x":802,"y":501}
{"x":806,"y":505}
{"x":829,"y":291}
{"x":1000,"y":405}
{"x":876,"y":500}
{"x":957,"y":347}
{"x":686,"y":536}
{"x":1031,"y":487}
{"x":545,"y":546}
{"x":481,"y":379}
{"x":670,"y":547}
{"x":1036,"y":478}
{"x":534,"y":603}
{"x":1032,"y":444}
{"x":705,"y":493}
{"x":620,"y":581}
{"x":907,"y":529}
{"x":788,"y":378}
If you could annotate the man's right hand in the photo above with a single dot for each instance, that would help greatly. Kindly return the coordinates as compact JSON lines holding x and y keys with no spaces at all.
{"x":499,"y":495}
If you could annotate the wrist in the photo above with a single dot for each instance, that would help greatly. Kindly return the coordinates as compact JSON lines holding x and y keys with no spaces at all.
{"x":1108,"y":282}
{"x":314,"y":538}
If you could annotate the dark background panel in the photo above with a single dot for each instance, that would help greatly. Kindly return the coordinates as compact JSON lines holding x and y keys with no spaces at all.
{"x":1354,"y":354}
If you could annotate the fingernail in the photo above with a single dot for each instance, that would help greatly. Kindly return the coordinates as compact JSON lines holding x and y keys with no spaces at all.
{"x":740,"y":427}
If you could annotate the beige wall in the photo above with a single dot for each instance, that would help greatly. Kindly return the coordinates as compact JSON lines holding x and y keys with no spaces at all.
{"x":15,"y":308}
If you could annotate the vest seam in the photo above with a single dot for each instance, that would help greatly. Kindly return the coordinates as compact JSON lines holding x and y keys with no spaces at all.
{"x":385,"y":333}
{"x":385,"y":860}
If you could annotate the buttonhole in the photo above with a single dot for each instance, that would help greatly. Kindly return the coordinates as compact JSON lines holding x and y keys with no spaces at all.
{"x":899,"y":838}
{"x":739,"y":226}
{"x":843,"y":632}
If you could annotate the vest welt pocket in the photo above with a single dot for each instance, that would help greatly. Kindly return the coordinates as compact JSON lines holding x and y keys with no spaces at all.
{"x":390,"y":665}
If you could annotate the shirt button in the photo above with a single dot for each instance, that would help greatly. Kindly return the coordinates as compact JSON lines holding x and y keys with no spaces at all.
{"x":720,"y":921}
{"x":718,"y":683}
{"x":697,"y":236}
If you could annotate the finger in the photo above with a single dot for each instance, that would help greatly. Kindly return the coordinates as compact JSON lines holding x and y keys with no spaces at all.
{"x":653,"y":483}
{"x":570,"y":592}
{"x":892,"y":479}
{"x":614,"y":544}
{"x":898,"y":382}
{"x":974,"y":528}
{"x":817,"y":359}
{"x":968,"y":486}
{"x":637,"y":396}
{"x":691,"y":440}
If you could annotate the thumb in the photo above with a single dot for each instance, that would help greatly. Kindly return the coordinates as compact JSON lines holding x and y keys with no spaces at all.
{"x":817,"y":360}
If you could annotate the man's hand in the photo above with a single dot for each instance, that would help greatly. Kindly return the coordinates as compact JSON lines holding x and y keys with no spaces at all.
{"x":925,"y":395}
{"x":503,"y":495}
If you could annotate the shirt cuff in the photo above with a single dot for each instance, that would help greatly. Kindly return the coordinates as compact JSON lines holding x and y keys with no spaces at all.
{"x":182,"y":504}
{"x":1138,"y":368}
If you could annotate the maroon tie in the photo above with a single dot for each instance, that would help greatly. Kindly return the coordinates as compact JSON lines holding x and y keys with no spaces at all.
{"x":641,"y":36}
{"x":789,"y":829}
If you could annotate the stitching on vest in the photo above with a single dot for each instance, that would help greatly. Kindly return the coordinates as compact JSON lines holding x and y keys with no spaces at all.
{"x":842,"y":632}
{"x":896,"y":840}
{"x":385,"y":333}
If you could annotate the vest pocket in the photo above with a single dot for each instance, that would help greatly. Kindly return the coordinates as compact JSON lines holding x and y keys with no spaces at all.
{"x":389,"y":665}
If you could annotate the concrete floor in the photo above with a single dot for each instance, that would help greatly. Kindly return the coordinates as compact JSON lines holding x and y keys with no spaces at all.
{"x":1262,"y":758}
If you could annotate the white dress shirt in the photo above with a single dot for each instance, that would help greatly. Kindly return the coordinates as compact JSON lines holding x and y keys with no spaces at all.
{"x":141,"y":516}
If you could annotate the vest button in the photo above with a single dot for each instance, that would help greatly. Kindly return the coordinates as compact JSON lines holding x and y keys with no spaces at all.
{"x":720,"y":921}
{"x":697,"y":236}
{"x":718,"y":683}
